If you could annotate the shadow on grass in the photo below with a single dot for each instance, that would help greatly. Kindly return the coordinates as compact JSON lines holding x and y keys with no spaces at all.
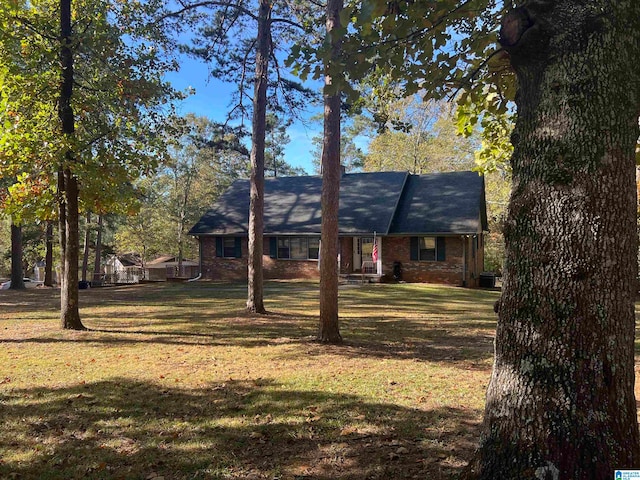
{"x":256,"y":430}
{"x":427,"y":323}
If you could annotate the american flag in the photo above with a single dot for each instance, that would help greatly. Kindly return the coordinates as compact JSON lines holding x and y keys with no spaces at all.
{"x":374,"y":251}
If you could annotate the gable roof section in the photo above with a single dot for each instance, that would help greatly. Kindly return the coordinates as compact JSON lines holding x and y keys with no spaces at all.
{"x":442,"y":203}
{"x":382,"y":202}
{"x":292,"y":205}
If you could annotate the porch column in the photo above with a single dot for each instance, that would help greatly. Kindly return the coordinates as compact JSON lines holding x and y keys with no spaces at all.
{"x":379,"y":262}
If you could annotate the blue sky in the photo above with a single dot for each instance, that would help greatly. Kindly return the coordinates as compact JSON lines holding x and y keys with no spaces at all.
{"x":212,"y":98}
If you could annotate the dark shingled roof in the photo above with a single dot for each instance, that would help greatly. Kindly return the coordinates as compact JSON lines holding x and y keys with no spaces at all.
{"x":451,"y":202}
{"x":382,"y":202}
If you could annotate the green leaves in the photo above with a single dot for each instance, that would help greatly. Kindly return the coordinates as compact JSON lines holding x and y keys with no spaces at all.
{"x":437,"y":49}
{"x":119,"y":99}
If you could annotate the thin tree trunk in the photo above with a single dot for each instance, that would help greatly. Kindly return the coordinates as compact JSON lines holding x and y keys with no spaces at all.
{"x":68,"y":195}
{"x":62,"y":227}
{"x":17,"y":273}
{"x":48,"y":259}
{"x":255,"y":287}
{"x":97,"y":265}
{"x":560,"y":403}
{"x":87,"y":245}
{"x":328,"y":331}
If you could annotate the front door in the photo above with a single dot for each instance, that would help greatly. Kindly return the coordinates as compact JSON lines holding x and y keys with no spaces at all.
{"x":362,"y":250}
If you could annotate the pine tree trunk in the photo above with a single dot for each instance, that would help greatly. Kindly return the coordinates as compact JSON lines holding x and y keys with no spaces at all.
{"x":560,"y":403}
{"x":255,"y":290}
{"x":17,"y":273}
{"x":68,"y":193}
{"x":329,"y":331}
{"x":97,"y":265}
{"x":48,"y":259}
{"x":85,"y":251}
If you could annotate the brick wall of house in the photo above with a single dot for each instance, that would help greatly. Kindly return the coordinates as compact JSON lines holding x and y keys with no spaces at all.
{"x":223,"y":269}
{"x":447,"y":272}
{"x":235,"y":269}
{"x":393,"y":249}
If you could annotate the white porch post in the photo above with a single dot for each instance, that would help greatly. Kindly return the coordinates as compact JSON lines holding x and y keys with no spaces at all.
{"x":379,"y":262}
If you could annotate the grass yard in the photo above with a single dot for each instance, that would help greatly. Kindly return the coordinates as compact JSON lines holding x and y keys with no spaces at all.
{"x":177,"y":381}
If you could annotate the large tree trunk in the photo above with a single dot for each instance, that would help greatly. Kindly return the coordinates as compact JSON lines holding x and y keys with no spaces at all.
{"x":328,"y":331}
{"x":255,"y":290}
{"x":97,"y":265}
{"x":85,"y":250}
{"x":68,"y":184}
{"x":17,"y":273}
{"x":560,"y":403}
{"x":48,"y":258}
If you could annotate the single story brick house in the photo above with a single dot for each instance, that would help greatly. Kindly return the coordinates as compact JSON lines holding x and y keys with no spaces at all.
{"x":425,"y":228}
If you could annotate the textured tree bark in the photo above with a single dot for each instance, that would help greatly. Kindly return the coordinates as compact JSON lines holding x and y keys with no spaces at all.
{"x":17,"y":273}
{"x":255,"y":290}
{"x":329,"y":331}
{"x":68,"y":184}
{"x":560,"y":403}
{"x":48,"y":258}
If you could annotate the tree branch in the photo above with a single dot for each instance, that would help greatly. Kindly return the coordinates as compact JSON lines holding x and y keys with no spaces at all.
{"x":186,"y":7}
{"x":31,"y":27}
{"x":467,"y":79}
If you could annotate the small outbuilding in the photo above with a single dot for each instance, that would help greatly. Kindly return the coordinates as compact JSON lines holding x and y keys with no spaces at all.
{"x":167,"y":267}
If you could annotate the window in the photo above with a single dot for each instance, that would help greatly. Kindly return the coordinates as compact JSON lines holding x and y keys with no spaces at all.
{"x":229,"y":247}
{"x":314,"y":248}
{"x":283,"y":248}
{"x":428,"y":249}
{"x":295,"y":248}
{"x":299,"y":250}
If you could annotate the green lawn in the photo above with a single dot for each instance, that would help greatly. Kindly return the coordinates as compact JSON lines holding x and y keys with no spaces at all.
{"x":177,"y":381}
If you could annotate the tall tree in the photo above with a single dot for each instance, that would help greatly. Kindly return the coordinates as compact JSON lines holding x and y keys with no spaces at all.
{"x":255,"y":294}
{"x":68,"y":182}
{"x":561,"y":403}
{"x":235,"y":36}
{"x":103,"y":136}
{"x":328,"y":329}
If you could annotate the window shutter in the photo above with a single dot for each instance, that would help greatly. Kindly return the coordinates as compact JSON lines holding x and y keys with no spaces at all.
{"x":440,"y":249}
{"x":238,"y":247}
{"x":219,"y":247}
{"x":273,"y":247}
{"x":414,"y":248}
